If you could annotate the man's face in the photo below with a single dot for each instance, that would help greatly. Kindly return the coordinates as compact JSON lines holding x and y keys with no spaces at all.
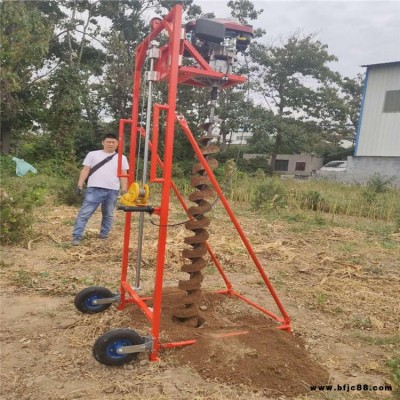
{"x":109,"y":145}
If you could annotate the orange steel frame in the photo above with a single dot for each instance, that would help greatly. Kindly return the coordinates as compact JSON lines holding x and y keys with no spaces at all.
{"x":169,"y":69}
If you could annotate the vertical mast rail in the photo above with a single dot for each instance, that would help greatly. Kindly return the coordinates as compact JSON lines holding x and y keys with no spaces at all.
{"x":174,"y":42}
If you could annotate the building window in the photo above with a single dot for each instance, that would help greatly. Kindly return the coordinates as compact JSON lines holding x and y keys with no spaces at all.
{"x":300,"y":166}
{"x":281,"y":165}
{"x":392,"y":101}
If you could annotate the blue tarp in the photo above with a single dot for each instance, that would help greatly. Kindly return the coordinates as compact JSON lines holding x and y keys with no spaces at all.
{"x":23,"y":167}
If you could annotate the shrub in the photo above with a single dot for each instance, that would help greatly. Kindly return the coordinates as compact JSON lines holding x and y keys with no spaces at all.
{"x":397,"y":223}
{"x":16,"y":217}
{"x":229,"y":176}
{"x":23,"y":195}
{"x":369,"y":195}
{"x":313,"y":200}
{"x":57,"y":168}
{"x":7,"y":166}
{"x":270,"y":195}
{"x":260,"y":174}
{"x":255,"y":164}
{"x":182,"y":169}
{"x":379,"y":184}
{"x":66,"y":193}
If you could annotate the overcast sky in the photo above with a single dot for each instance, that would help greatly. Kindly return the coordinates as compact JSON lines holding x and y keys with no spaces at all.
{"x":357,"y":32}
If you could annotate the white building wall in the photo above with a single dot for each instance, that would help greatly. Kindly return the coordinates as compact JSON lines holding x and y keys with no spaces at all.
{"x":362,"y":169}
{"x":379,"y":132}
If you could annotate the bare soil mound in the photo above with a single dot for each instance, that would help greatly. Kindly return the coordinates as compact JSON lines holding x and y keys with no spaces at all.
{"x":240,"y":348}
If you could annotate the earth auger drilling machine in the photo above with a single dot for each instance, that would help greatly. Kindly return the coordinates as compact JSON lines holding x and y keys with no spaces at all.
{"x":211,"y":45}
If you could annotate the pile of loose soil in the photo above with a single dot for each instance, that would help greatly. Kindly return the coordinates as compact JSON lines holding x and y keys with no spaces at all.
{"x":239,"y":348}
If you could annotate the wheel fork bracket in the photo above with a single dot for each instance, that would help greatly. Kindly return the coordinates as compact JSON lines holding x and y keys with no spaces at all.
{"x":137,"y":348}
{"x":107,"y":300}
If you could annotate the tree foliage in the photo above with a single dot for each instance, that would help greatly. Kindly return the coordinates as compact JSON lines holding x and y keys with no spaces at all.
{"x":301,"y":91}
{"x":25,"y":36}
{"x":244,"y":11}
{"x":352,"y":92}
{"x":66,"y":78}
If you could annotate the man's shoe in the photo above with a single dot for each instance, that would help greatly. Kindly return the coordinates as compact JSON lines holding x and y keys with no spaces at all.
{"x":103,"y":237}
{"x":76,"y":242}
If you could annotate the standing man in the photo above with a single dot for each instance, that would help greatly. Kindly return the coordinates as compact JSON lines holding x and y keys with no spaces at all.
{"x":103,"y":186}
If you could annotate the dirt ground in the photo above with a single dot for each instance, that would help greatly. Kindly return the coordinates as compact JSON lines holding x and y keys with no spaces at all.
{"x":339,"y":281}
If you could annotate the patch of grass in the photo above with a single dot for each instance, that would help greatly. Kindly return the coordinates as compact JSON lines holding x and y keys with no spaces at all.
{"x":64,"y":245}
{"x":65,"y":281}
{"x":319,"y":219}
{"x":305,"y":227}
{"x":210,"y":269}
{"x":346,"y":247}
{"x":300,"y":228}
{"x":338,"y":310}
{"x":377,"y":228}
{"x":377,"y":201}
{"x":4,"y":264}
{"x":44,"y":282}
{"x":373,"y":270}
{"x":89,"y":281}
{"x":321,"y":298}
{"x":271,"y":194}
{"x":356,"y":259}
{"x":279,"y":280}
{"x":22,"y":278}
{"x":394,"y":365}
{"x":389,"y":244}
{"x":359,"y":322}
{"x":379,"y":341}
{"x":68,"y":222}
{"x":297,"y":217}
{"x":379,"y":184}
{"x":113,"y":286}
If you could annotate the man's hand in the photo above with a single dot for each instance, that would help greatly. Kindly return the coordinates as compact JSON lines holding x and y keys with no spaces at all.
{"x":79,"y":191}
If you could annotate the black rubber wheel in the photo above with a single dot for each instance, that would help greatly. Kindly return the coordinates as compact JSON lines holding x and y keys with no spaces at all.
{"x":84,"y":299}
{"x":106,"y":346}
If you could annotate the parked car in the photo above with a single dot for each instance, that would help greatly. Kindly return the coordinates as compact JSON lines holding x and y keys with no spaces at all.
{"x":335,"y":166}
{"x":333,"y":170}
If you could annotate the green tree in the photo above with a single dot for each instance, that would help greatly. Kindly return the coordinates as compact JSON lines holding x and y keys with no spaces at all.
{"x":245,"y":12}
{"x":128,"y":28}
{"x":75,"y":103}
{"x":298,"y":87}
{"x":234,"y":106}
{"x":352,"y":92}
{"x":25,"y":36}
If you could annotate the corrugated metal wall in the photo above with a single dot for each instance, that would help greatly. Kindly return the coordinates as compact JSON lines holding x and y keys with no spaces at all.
{"x":379,"y":132}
